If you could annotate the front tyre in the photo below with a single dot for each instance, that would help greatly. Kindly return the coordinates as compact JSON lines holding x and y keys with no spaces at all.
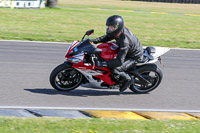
{"x":65,"y":78}
{"x":150,"y":73}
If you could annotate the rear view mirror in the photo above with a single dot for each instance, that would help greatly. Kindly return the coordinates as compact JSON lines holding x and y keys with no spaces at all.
{"x":89,"y":32}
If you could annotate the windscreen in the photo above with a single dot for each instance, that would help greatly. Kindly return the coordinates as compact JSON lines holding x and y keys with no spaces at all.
{"x":85,"y":46}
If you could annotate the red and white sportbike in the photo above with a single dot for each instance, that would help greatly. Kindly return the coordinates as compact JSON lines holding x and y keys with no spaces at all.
{"x":80,"y":68}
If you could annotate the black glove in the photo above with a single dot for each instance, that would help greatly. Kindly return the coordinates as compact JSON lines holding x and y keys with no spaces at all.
{"x":94,"y":41}
{"x":101,"y":64}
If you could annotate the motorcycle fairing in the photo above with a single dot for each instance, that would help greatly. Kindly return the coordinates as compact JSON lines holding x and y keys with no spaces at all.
{"x":102,"y":73}
{"x":154,"y":56}
{"x":71,"y":47}
{"x":160,"y":51}
{"x":78,"y":58}
{"x":109,"y":51}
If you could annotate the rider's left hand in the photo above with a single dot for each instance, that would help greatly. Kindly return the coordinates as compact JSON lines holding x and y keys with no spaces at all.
{"x":93,"y":41}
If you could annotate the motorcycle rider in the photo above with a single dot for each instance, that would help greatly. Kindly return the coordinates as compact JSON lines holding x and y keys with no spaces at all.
{"x":130,"y":49}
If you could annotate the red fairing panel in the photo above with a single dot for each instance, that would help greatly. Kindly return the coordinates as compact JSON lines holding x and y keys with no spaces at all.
{"x":105,"y":77}
{"x":72,"y":46}
{"x":108,"y":53}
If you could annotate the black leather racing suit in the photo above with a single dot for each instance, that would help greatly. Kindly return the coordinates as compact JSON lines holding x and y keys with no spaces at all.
{"x":130,"y":52}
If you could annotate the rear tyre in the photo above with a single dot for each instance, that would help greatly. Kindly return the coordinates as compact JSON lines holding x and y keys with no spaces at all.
{"x":65,"y":78}
{"x":152,"y":74}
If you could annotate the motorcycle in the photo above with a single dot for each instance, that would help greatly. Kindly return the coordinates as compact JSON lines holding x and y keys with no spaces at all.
{"x":80,"y":68}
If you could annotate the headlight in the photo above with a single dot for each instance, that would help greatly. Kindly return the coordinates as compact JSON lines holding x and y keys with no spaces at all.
{"x":74,"y":60}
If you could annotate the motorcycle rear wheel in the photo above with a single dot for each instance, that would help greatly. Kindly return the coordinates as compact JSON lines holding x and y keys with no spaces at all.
{"x":152,"y":74}
{"x":65,"y":78}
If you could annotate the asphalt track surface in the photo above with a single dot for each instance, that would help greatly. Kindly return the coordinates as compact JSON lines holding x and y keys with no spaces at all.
{"x":24,"y":81}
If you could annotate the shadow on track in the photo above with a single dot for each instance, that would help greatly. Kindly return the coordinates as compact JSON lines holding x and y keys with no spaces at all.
{"x":81,"y":93}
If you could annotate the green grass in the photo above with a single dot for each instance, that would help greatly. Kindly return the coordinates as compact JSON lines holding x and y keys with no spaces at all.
{"x":68,"y":24}
{"x":61,"y":125}
{"x":134,"y":5}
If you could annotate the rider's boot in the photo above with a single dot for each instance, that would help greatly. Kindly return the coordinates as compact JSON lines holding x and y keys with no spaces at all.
{"x":126,"y":85}
{"x":129,"y":81}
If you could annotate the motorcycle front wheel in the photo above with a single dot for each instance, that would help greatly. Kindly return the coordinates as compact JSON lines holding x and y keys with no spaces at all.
{"x":65,"y":78}
{"x":152,"y":74}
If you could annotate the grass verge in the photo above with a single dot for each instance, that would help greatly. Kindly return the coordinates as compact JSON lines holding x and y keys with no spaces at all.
{"x":134,"y":5}
{"x":62,"y":125}
{"x":68,"y":24}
